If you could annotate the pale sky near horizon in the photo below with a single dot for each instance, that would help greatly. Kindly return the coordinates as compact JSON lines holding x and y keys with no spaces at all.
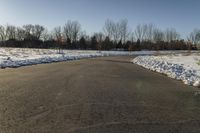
{"x":183,"y":15}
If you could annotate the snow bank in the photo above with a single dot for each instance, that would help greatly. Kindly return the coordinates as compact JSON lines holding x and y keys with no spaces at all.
{"x":16,"y":57}
{"x":178,"y":66}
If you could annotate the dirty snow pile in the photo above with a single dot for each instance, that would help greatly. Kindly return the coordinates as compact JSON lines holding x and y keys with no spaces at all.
{"x":16,"y":57}
{"x":185,"y":66}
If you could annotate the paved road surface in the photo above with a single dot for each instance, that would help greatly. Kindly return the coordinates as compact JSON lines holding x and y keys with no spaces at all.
{"x":102,"y":95}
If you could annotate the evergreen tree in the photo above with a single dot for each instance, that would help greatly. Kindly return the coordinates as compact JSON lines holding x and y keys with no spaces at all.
{"x":107,"y":44}
{"x":138,"y":46}
{"x":119,"y":44}
{"x":94,"y":43}
{"x":69,"y":45}
{"x":82,"y":43}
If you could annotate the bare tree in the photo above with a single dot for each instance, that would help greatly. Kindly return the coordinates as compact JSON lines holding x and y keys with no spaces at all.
{"x":99,"y":36}
{"x":37,"y":31}
{"x":67,"y":29}
{"x":28,"y":31}
{"x":2,"y":33}
{"x":108,"y":28}
{"x":149,"y":32}
{"x":46,"y":35}
{"x":11,"y":32}
{"x":71,"y":30}
{"x":171,"y":35}
{"x":33,"y":31}
{"x":57,"y":32}
{"x":195,"y":36}
{"x":132,"y":37}
{"x":116,"y":31}
{"x":76,"y":30}
{"x":145,"y":32}
{"x":20,"y":33}
{"x":140,"y":32}
{"x":158,"y":35}
{"x":123,"y":30}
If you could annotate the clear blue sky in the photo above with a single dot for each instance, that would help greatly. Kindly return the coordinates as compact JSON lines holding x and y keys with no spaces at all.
{"x":180,"y":14}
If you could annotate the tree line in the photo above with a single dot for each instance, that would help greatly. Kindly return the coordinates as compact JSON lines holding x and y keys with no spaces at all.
{"x":114,"y":36}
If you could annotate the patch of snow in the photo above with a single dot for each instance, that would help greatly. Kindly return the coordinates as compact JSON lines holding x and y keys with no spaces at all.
{"x":177,"y":66}
{"x":196,"y":84}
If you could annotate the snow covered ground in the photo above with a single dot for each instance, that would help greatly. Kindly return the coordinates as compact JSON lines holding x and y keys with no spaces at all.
{"x":16,"y":57}
{"x":185,"y":66}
